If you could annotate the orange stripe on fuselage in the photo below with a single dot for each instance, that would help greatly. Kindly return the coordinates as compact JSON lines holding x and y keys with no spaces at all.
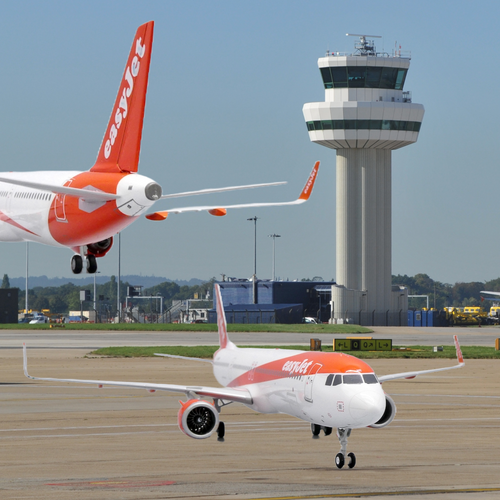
{"x":69,"y":225}
{"x":299,"y":365}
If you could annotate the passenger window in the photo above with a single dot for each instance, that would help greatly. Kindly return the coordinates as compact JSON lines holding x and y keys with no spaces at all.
{"x":329,"y":379}
{"x":353,"y":379}
{"x":337,"y":380}
{"x":370,"y":378}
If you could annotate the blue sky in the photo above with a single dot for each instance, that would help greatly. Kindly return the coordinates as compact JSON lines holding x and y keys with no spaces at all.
{"x":227,"y":84}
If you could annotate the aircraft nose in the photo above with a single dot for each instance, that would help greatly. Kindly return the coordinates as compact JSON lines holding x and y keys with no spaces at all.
{"x":367,"y":407}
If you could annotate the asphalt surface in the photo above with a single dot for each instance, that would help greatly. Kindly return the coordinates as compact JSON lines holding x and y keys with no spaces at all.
{"x":62,"y":441}
{"x":60,"y":338}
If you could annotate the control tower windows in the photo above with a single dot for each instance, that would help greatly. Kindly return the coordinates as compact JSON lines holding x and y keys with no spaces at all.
{"x":373,"y":77}
{"x":363,"y":125}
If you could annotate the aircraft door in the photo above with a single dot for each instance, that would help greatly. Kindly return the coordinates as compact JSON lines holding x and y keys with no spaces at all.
{"x":308,"y":384}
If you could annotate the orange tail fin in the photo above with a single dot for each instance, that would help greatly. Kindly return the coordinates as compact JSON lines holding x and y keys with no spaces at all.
{"x":122,"y":141}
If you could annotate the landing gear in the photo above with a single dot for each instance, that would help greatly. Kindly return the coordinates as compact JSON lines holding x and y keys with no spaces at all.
{"x":316,"y":429}
{"x":77,"y":264}
{"x":221,"y":431}
{"x":91,"y":264}
{"x":343,"y":434}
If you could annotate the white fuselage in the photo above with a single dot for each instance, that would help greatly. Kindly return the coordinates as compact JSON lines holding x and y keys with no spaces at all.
{"x":295,"y":383}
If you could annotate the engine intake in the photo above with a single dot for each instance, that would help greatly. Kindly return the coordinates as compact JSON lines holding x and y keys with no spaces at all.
{"x":389,"y":414}
{"x":198,"y":419}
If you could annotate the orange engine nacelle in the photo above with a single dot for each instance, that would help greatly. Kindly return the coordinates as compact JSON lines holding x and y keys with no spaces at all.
{"x":197,"y":418}
{"x":389,"y":414}
{"x":101,"y":248}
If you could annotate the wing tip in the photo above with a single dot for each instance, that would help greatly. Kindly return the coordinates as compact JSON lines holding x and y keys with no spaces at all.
{"x":306,"y":192}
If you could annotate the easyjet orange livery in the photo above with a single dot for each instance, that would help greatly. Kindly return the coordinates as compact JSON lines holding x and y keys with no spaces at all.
{"x":84,"y":210}
{"x":327,"y":390}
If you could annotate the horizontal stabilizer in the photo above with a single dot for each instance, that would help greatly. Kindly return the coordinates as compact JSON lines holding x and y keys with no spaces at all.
{"x":85,"y":194}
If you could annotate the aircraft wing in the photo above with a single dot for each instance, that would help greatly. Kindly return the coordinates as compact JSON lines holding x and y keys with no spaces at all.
{"x":86,"y":194}
{"x":490,"y":293}
{"x":222,"y":190}
{"x":236,"y":395}
{"x":460,"y":358}
{"x":219,"y":210}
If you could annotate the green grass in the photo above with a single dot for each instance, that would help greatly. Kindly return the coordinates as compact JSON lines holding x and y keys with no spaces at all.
{"x":418,"y":352}
{"x":198,"y":327}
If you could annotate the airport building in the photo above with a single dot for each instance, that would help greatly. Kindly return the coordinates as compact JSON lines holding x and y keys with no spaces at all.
{"x":273,"y":301}
{"x":366,"y":114}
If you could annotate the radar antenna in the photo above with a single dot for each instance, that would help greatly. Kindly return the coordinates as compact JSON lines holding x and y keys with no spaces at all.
{"x":365,"y":48}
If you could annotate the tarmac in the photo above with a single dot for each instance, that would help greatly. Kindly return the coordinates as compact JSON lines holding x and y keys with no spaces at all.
{"x":62,"y":441}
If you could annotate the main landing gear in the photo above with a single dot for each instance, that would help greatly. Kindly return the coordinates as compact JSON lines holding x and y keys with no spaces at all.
{"x":342,"y":434}
{"x":77,"y":264}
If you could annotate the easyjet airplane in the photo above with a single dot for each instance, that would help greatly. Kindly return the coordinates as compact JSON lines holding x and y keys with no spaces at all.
{"x":83,"y":210}
{"x":325,"y":389}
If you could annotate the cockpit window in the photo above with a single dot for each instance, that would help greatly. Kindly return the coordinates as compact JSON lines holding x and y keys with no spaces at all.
{"x":353,"y":379}
{"x":329,"y":379}
{"x":370,"y":378}
{"x":338,"y":380}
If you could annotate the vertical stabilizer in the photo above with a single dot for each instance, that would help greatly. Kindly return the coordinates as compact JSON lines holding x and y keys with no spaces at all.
{"x":221,"y":321}
{"x":122,"y":141}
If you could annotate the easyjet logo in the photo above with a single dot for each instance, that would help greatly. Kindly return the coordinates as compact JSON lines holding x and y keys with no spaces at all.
{"x":297,"y":366}
{"x":130,"y":74}
{"x":310,"y":181}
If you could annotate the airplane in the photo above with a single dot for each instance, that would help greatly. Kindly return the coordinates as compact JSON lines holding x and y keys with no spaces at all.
{"x":327,"y":390}
{"x":84,"y":210}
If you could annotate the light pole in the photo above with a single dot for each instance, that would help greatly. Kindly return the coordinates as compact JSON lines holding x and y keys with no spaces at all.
{"x":118,"y":311}
{"x":254,"y":218}
{"x":274,"y":236}
{"x":95,"y":299}
{"x":27,"y":260}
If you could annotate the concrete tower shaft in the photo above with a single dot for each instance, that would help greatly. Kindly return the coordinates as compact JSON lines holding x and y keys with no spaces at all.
{"x":366,"y":114}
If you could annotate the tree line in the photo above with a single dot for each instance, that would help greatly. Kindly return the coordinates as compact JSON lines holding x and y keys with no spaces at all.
{"x":66,"y":297}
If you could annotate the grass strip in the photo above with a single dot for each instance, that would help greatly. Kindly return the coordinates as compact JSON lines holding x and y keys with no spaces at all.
{"x":196,"y":327}
{"x":417,"y":352}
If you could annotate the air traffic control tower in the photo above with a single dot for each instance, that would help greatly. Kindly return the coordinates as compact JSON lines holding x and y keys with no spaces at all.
{"x":366,"y":114}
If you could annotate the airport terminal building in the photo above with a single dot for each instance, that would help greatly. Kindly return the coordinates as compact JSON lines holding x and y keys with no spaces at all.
{"x":274,"y":301}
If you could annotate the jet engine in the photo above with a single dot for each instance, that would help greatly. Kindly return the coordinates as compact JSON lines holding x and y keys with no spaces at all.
{"x":389,"y":414}
{"x":101,"y":248}
{"x":197,"y":418}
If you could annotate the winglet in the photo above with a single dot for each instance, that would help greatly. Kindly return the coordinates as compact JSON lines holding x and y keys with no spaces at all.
{"x":122,"y":141}
{"x":25,"y":362}
{"x":460,"y":357}
{"x":306,"y":192}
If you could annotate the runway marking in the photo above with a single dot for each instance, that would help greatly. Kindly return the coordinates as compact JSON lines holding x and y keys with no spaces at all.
{"x":382,"y":493}
{"x":113,"y":484}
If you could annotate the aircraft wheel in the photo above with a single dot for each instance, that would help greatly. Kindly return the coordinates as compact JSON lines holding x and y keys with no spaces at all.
{"x":339,"y":460}
{"x":76,"y":264}
{"x":327,"y":430}
{"x":352,"y":460}
{"x":91,"y":264}
{"x":221,"y":431}
{"x":315,"y":429}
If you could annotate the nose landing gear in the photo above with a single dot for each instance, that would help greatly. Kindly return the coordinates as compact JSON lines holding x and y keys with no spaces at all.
{"x":343,"y":434}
